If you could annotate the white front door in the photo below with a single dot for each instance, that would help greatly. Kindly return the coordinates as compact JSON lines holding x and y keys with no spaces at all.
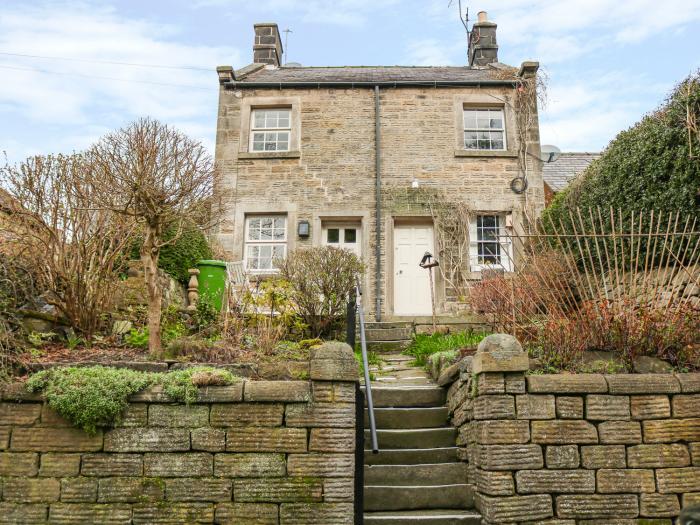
{"x":411,"y":282}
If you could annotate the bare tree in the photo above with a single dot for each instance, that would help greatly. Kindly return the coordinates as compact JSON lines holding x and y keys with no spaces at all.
{"x":163,"y":180}
{"x":75,"y":249}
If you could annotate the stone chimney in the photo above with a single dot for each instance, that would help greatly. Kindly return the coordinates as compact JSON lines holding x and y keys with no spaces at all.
{"x":483,"y":48}
{"x":267,"y":48}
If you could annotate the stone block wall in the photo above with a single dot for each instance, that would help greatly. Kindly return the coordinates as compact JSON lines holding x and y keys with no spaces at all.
{"x":579,"y":449}
{"x":263,"y":452}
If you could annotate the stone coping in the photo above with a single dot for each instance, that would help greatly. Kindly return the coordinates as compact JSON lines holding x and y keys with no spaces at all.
{"x":687,"y":383}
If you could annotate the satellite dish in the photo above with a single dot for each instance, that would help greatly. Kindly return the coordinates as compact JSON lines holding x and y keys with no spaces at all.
{"x":549,"y":153}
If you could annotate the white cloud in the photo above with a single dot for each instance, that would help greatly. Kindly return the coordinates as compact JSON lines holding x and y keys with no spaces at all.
{"x":430,"y":52}
{"x":70,"y":98}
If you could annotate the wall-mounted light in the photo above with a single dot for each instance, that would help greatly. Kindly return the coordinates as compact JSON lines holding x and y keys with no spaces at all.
{"x":415,"y":183}
{"x":303,"y":229}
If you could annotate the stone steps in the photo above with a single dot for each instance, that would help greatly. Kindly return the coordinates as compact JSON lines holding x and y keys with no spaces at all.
{"x":387,"y":418}
{"x":415,"y":438}
{"x":387,"y":497}
{"x":423,"y":517}
{"x":389,"y":346}
{"x":411,"y":456}
{"x":406,"y":397}
{"x":427,"y":474}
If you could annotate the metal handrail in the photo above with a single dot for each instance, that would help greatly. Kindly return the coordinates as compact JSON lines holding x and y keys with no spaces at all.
{"x":365,"y":363}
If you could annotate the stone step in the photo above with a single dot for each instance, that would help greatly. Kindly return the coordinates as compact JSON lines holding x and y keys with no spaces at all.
{"x":430,"y":474}
{"x":423,"y":517}
{"x":415,"y":438}
{"x":380,"y":381}
{"x":409,"y":417}
{"x":411,"y":456}
{"x":398,"y":358}
{"x":389,"y":334}
{"x":381,"y":497}
{"x":382,"y":347}
{"x":386,"y":396}
{"x":373,"y":325}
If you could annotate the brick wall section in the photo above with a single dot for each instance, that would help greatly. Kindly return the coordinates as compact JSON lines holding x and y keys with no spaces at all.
{"x":580,"y":449}
{"x":267,"y":452}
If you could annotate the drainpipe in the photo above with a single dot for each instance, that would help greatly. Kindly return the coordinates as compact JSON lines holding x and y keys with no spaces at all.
{"x":378,"y":210}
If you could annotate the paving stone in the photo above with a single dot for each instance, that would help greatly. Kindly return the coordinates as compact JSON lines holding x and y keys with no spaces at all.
{"x":19,"y":464}
{"x":678,"y":480}
{"x":494,"y":483}
{"x":559,"y":481}
{"x":612,"y":481}
{"x":31,"y":490}
{"x":509,"y":457}
{"x":643,"y":384}
{"x":20,"y":413}
{"x":178,"y":465}
{"x":604,"y":407}
{"x":569,"y":407}
{"x":597,"y":506}
{"x":112,"y":465}
{"x":249,"y":465}
{"x":57,"y":465}
{"x":247,"y":414}
{"x":279,"y":439}
{"x":686,"y":405}
{"x":79,"y":490}
{"x":502,"y":432}
{"x":147,"y":440}
{"x":333,"y":392}
{"x":671,"y":430}
{"x":332,"y":439}
{"x":659,"y":505}
{"x":208,"y":439}
{"x":563,"y":432}
{"x":247,"y":514}
{"x":44,"y":439}
{"x":316,"y":513}
{"x":508,"y":509}
{"x":658,"y":456}
{"x":535,"y":406}
{"x":494,"y":407}
{"x":339,"y":415}
{"x":620,"y":432}
{"x":198,"y":489}
{"x":338,"y":489}
{"x":562,"y":456}
{"x":320,"y":464}
{"x":650,"y":407}
{"x":603,"y":456}
{"x":188,"y":416}
{"x":567,"y":384}
{"x":173,"y":513}
{"x":287,"y":391}
{"x":278,"y":490}
{"x":131,"y":490}
{"x":89,"y":514}
{"x":28,"y":513}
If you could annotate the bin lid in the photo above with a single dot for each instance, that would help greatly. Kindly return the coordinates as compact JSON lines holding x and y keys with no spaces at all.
{"x":211,"y":262}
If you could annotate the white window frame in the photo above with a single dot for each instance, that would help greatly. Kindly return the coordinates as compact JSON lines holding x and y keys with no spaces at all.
{"x":489,"y":130}
{"x":503,"y":239}
{"x":355,"y":247}
{"x":265,"y":130}
{"x":248,"y":242}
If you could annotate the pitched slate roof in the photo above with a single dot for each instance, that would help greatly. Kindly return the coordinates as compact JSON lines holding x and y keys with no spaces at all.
{"x":559,"y":173}
{"x":367,"y":74}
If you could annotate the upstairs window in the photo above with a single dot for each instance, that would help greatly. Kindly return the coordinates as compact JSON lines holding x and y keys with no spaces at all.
{"x":266,"y":241}
{"x":484,"y":129}
{"x":270,"y":129}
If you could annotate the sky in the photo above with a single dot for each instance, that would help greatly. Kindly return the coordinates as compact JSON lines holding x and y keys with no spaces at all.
{"x":94,"y":66}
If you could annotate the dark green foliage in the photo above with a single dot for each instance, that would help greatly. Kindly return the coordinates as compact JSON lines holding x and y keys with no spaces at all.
{"x":178,"y":257}
{"x":647,"y":167}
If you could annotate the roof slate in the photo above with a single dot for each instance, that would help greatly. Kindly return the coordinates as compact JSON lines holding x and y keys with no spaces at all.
{"x":369,"y":74}
{"x":559,"y":173}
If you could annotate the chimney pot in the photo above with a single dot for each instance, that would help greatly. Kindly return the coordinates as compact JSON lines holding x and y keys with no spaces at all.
{"x":482,"y":16}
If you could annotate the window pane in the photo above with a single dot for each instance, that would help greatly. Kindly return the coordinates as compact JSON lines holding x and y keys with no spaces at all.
{"x":333,"y":235}
{"x":482,"y":121}
{"x":469,"y":119}
{"x":277,"y":251}
{"x":496,"y":123}
{"x":350,"y":235}
{"x":259,"y":119}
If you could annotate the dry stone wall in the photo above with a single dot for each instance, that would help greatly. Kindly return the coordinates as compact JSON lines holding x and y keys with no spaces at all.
{"x":578,"y":449}
{"x":264,"y":452}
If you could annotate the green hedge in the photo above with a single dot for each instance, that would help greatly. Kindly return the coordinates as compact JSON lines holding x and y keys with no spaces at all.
{"x":647,"y":167}
{"x":180,"y":256}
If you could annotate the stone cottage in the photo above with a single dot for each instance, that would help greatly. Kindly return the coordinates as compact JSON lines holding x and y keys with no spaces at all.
{"x":368,"y":158}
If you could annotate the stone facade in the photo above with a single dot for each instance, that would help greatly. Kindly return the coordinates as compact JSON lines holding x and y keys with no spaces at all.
{"x":579,"y":449}
{"x":329,"y":173}
{"x":266,"y":452}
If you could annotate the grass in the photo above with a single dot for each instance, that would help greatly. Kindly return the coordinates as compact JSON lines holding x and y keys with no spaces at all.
{"x":425,"y":345}
{"x":372,"y":358}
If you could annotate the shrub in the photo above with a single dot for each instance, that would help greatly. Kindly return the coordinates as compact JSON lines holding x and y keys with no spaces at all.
{"x":182,"y":385}
{"x":425,"y":345}
{"x":321,"y":281}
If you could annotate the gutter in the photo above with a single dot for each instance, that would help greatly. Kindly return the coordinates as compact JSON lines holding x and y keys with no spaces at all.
{"x":378,"y":208}
{"x":232,"y":84}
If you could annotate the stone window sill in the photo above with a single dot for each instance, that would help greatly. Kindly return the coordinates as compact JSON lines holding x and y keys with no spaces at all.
{"x":485,"y":153}
{"x":269,"y":155}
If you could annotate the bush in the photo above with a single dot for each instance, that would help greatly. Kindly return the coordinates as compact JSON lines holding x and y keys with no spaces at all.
{"x":321,"y":279}
{"x":425,"y":345}
{"x":179,"y":256}
{"x":182,"y":385}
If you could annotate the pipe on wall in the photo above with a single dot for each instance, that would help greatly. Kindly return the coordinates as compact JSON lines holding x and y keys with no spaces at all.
{"x":378,"y":209}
